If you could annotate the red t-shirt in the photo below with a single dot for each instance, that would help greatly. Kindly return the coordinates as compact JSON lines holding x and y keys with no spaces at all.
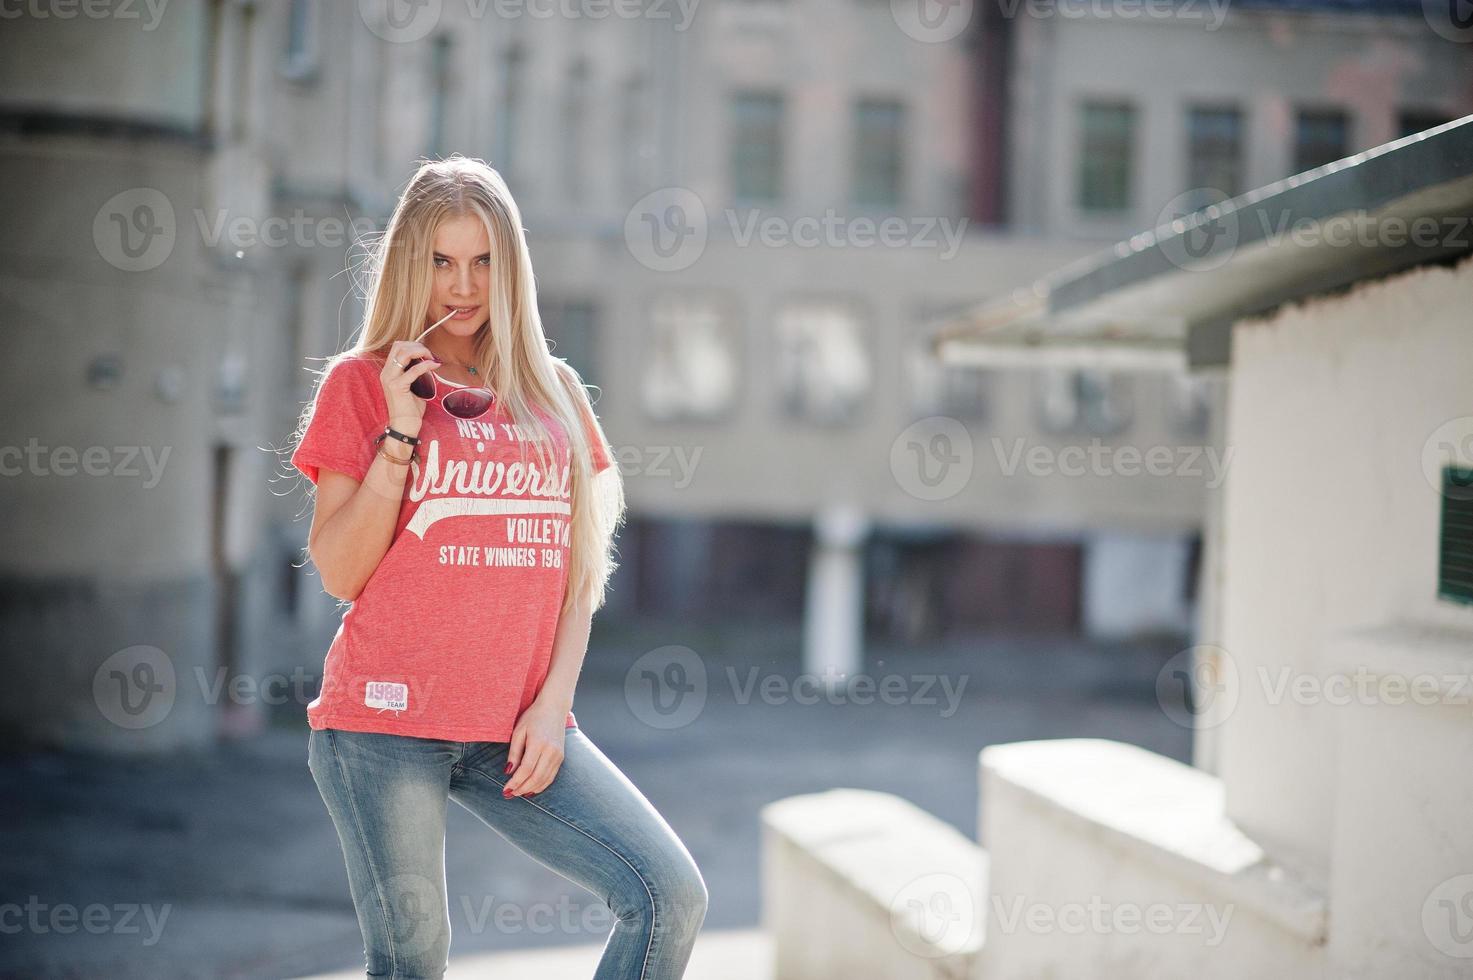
{"x":452,"y":635}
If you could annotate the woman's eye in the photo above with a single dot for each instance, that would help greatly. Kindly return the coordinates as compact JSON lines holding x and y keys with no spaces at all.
{"x":485,"y":262}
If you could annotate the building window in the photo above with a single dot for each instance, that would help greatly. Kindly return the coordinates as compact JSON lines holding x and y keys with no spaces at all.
{"x":1215,"y":152}
{"x":509,"y":105}
{"x":757,"y":147}
{"x":299,"y":60}
{"x":1085,"y":401}
{"x":693,"y":363}
{"x":1188,"y":404}
{"x":571,"y":326}
{"x":1107,"y":133}
{"x":1416,"y":120}
{"x":938,"y":388}
{"x":879,"y":138}
{"x":1320,"y":137}
{"x":823,"y":362}
{"x":439,"y":94}
{"x":635,"y":137}
{"x":1455,"y":546}
{"x":575,"y":125}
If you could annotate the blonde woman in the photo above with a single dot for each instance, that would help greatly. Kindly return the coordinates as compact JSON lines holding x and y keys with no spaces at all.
{"x":465,"y":506}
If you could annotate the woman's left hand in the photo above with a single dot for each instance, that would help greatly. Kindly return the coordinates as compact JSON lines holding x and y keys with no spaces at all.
{"x":536,"y":751}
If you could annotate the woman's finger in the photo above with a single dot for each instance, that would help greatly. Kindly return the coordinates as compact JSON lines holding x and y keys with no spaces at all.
{"x":542,"y":773}
{"x":526,"y":769}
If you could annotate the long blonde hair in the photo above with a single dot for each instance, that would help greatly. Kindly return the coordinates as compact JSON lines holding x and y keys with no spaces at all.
{"x":510,"y":351}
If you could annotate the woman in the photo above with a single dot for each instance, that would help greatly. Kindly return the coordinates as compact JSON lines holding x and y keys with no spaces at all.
{"x":470,"y":529}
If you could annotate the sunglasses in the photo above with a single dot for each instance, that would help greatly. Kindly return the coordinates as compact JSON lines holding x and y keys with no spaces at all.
{"x":461,"y":402}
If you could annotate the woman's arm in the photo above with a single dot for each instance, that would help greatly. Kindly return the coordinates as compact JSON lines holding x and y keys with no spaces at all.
{"x":569,"y":647}
{"x":353,"y":523}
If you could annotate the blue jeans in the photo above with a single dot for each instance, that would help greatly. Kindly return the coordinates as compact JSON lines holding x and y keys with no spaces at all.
{"x":387,"y":797}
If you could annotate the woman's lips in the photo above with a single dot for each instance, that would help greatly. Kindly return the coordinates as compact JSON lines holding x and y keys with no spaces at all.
{"x":463,"y":312}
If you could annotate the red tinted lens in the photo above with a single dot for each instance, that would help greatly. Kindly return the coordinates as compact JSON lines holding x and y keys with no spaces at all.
{"x":424,"y":385}
{"x":468,"y":403}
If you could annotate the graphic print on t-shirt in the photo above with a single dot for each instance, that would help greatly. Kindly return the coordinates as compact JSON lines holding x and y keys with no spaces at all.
{"x":479,"y":472}
{"x":452,"y":635}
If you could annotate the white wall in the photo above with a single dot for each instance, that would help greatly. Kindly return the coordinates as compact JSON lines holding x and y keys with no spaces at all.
{"x":1331,"y":525}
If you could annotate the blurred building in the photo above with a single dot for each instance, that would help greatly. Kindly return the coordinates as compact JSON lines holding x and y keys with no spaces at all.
{"x":742,"y":217}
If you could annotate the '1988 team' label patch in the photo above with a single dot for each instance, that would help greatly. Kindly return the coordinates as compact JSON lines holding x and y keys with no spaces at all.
{"x":387,"y":695}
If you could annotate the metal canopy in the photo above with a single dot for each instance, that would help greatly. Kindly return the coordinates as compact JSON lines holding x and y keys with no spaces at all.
{"x":1166,"y":298}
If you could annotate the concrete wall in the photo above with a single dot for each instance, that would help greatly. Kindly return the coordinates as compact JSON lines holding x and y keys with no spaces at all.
{"x":1331,"y":526}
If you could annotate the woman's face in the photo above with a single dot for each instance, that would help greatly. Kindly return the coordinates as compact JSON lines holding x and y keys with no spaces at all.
{"x":462,"y":260}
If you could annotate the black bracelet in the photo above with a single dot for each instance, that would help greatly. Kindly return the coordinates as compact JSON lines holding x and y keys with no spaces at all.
{"x":378,"y":444}
{"x":391,"y":431}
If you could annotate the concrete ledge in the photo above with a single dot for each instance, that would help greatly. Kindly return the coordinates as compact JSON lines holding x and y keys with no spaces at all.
{"x":864,"y":884}
{"x":1159,"y":813}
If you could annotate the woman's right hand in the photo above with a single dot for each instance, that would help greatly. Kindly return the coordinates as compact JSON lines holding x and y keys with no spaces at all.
{"x":406,"y":409}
